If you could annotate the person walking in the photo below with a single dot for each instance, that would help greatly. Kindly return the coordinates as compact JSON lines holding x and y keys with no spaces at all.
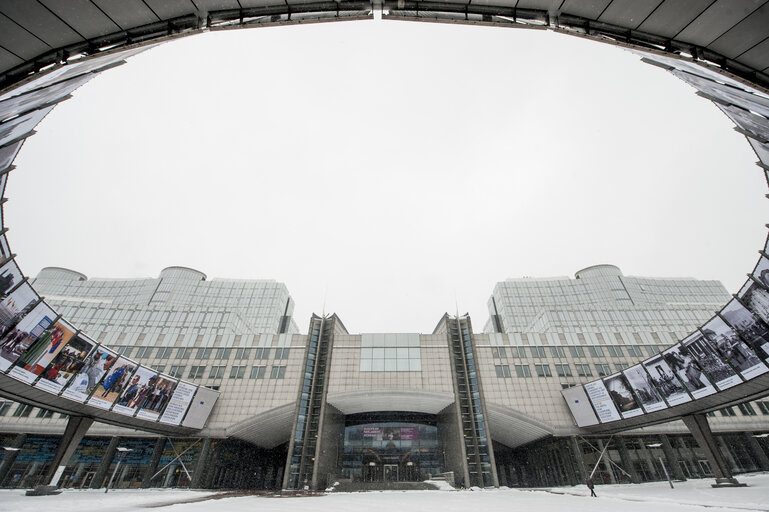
{"x":591,"y":486}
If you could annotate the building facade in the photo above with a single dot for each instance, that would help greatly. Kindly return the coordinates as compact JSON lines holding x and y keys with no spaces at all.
{"x":307,"y":410}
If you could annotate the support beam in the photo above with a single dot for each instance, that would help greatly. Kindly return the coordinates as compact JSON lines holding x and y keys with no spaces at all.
{"x":627,"y":462}
{"x":579,"y":460}
{"x":757,"y":452}
{"x":77,"y":426}
{"x":200,"y":468}
{"x":9,"y":456}
{"x":106,"y":462}
{"x":152,"y":467}
{"x":698,"y":426}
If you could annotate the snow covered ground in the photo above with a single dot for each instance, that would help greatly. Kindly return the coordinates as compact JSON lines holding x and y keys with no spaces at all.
{"x":691,"y":496}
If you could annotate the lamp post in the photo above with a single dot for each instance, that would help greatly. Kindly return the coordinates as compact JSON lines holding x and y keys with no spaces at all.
{"x":123,"y":450}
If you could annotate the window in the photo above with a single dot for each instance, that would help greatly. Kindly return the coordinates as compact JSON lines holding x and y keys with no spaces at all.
{"x":543,"y":370}
{"x":634,"y":351}
{"x":651,"y":350}
{"x":522,"y":370}
{"x":144,"y":352}
{"x":223,"y":353}
{"x":567,"y":386}
{"x":746,"y":409}
{"x":164,"y":352}
{"x":281,"y":353}
{"x":22,"y":411}
{"x":498,"y":352}
{"x":614,"y":351}
{"x":183,"y":353}
{"x":595,"y":351}
{"x":557,"y":352}
{"x":196,"y":372}
{"x":242,"y":353}
{"x":217,"y":372}
{"x":728,"y":411}
{"x":503,"y":370}
{"x":257,"y":372}
{"x":583,"y":370}
{"x":4,"y":406}
{"x":563,"y":370}
{"x":262,"y":353}
{"x":203,"y":353}
{"x":160,"y":368}
{"x":44,"y":413}
{"x":517,"y":352}
{"x":277,"y":372}
{"x":537,"y":351}
{"x":237,"y":372}
{"x":577,"y":351}
{"x":763,"y":406}
{"x":620,"y":366}
{"x":176,"y":371}
{"x":603,"y":370}
{"x":126,"y":351}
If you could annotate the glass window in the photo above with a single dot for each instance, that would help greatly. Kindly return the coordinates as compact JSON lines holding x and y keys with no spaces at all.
{"x":257,"y":372}
{"x":620,"y":366}
{"x":217,"y":372}
{"x":583,"y":370}
{"x":746,"y":409}
{"x":242,"y":353}
{"x":176,"y":371}
{"x":183,"y":353}
{"x":652,"y":350}
{"x":223,"y":353}
{"x":23,"y":410}
{"x":203,"y":353}
{"x":498,"y":369}
{"x":595,"y":351}
{"x":277,"y":372}
{"x":603,"y":370}
{"x":237,"y":372}
{"x":262,"y":353}
{"x":164,"y":352}
{"x":543,"y":370}
{"x":4,"y":406}
{"x":196,"y":372}
{"x":577,"y":351}
{"x":763,"y":406}
{"x":728,"y":411}
{"x":537,"y":351}
{"x":522,"y":370}
{"x":563,"y":370}
{"x":557,"y":352}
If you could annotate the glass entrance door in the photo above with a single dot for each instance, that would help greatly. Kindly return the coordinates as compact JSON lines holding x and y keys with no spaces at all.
{"x":391,"y":472}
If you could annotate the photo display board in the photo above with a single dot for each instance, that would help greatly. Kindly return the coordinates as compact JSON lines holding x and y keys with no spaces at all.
{"x":24,"y":334}
{"x":643,"y":387}
{"x":134,"y":390}
{"x":602,"y":403}
{"x":95,"y":365}
{"x":31,"y":364}
{"x":68,"y":363}
{"x":753,"y":331}
{"x":622,"y":396}
{"x":738,"y":354}
{"x":113,"y":383}
{"x":665,"y":378}
{"x":709,"y":360}
{"x":179,"y":403}
{"x":156,"y":398}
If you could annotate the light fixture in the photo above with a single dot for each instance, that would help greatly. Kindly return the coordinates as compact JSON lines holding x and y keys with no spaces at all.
{"x":654,"y":445}
{"x":9,"y":449}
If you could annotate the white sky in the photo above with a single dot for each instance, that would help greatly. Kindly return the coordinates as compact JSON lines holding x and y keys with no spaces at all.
{"x":387,"y":169}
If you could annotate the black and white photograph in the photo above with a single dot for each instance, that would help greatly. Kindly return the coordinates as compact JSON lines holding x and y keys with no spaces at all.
{"x":733,"y":349}
{"x":95,"y":365}
{"x":756,"y":299}
{"x":69,"y":362}
{"x":761,"y":272}
{"x":753,"y":331}
{"x":8,"y":153}
{"x":644,"y":388}
{"x":666,"y":380}
{"x":710,"y":361}
{"x":18,"y":339}
{"x":5,"y":250}
{"x":10,"y":276}
{"x":622,"y":396}
{"x":15,"y":306}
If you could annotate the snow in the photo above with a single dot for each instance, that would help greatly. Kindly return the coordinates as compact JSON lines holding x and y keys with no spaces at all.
{"x":690,"y":496}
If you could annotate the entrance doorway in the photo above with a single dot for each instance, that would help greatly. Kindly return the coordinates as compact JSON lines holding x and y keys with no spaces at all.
{"x":390,"y":472}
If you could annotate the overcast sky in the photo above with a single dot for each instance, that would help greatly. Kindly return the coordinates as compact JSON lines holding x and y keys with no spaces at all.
{"x":392,"y":171}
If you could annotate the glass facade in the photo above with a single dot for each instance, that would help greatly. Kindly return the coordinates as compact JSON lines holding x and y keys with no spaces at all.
{"x":391,"y":451}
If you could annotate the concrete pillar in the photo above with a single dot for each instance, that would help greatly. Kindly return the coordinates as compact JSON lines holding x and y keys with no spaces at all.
{"x":757,"y":452}
{"x":106,"y":462}
{"x":671,"y":454}
{"x":77,"y":426}
{"x":152,"y":468}
{"x":198,"y":481}
{"x":579,"y":460}
{"x":698,"y":426}
{"x":624,"y":457}
{"x":9,"y":456}
{"x":606,"y":458}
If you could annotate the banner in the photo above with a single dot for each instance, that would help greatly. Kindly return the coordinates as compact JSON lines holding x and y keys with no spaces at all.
{"x":68,"y":363}
{"x":134,"y":391}
{"x":733,"y":349}
{"x":644,"y":389}
{"x":24,"y":334}
{"x":39,"y":355}
{"x":94,"y":367}
{"x":708,"y":358}
{"x":620,"y":393}
{"x":156,"y":398}
{"x":753,"y":331}
{"x":666,"y":380}
{"x":15,"y":306}
{"x":113,"y":383}
{"x":602,"y":402}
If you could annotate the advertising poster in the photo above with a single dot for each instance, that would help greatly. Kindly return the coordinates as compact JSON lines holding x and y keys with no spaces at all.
{"x":15,"y":306}
{"x":68,"y":363}
{"x":156,"y":398}
{"x":180,"y":401}
{"x":17,"y":340}
{"x":134,"y":390}
{"x":666,"y":380}
{"x":733,"y":349}
{"x":112,"y":385}
{"x":620,"y":393}
{"x":753,"y":331}
{"x":34,"y":360}
{"x":96,"y":364}
{"x":10,"y":276}
{"x":602,"y":402}
{"x":644,"y":389}
{"x":708,"y":358}
{"x":391,"y":433}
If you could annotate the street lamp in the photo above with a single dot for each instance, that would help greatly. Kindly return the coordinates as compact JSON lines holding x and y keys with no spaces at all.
{"x":123,"y":450}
